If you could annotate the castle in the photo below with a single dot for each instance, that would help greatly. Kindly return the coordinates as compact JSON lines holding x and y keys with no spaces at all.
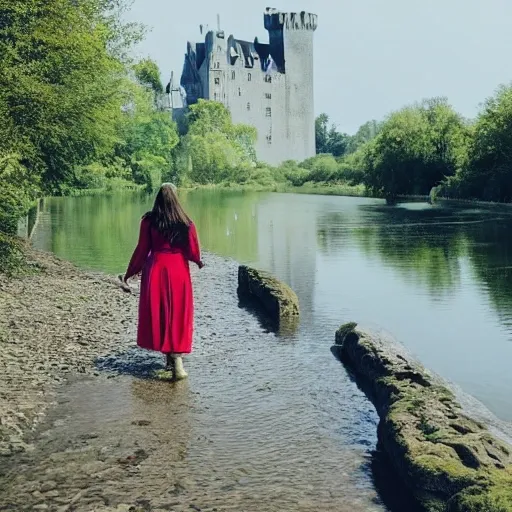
{"x":265,"y":85}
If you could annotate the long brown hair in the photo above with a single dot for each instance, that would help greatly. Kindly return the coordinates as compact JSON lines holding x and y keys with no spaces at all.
{"x":168,"y":216}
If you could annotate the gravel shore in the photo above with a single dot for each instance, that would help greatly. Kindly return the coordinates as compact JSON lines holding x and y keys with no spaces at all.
{"x":55,"y":321}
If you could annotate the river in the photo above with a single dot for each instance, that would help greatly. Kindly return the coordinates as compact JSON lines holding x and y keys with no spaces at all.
{"x":437,"y":278}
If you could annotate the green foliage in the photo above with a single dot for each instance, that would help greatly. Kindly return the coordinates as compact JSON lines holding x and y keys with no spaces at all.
{"x":206,"y":117}
{"x":215,"y":150}
{"x":16,"y":193}
{"x":71,"y":117}
{"x":293,"y":173}
{"x":59,"y":87}
{"x":322,"y":168}
{"x":416,"y":148}
{"x":148,"y":74}
{"x":486,"y":173}
{"x":147,"y":138}
{"x":329,"y":140}
{"x":11,"y":255}
{"x":367,"y":132}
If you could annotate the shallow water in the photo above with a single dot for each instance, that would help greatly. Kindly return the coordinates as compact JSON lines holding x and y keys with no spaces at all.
{"x":439,"y":279}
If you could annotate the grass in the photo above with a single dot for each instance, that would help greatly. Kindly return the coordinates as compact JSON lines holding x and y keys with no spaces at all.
{"x":336,"y":189}
{"x":111,"y":186}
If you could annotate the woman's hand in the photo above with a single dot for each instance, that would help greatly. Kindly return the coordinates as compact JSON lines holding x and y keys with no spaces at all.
{"x":200,"y":265}
{"x":124,"y":283}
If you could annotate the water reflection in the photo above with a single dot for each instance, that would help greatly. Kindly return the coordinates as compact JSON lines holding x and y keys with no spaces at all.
{"x":461,"y":259}
{"x":423,"y":256}
{"x":491,"y":255}
{"x":438,"y":278}
{"x":287,"y":244}
{"x":100,"y":232}
{"x":226,"y":221}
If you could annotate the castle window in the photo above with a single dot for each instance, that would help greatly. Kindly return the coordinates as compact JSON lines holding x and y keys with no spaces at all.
{"x":268,"y":96}
{"x":239,"y":92}
{"x":233,"y":75}
{"x":268,"y":79}
{"x":248,"y":106}
{"x":217,"y":81}
{"x":249,"y":77}
{"x":215,"y":96}
{"x":269,"y":139}
{"x":268,"y":112}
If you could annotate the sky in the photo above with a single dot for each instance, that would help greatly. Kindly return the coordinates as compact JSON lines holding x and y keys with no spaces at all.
{"x":371,"y":56}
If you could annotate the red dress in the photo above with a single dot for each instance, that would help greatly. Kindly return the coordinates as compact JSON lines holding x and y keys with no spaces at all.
{"x":166,"y":306}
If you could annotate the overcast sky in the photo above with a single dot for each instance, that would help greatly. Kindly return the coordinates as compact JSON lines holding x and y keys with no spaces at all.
{"x":371,"y":56}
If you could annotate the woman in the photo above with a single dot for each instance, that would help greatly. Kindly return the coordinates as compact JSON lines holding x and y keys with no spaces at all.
{"x":167,"y":242}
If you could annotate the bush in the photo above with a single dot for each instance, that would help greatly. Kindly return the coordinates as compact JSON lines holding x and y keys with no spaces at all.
{"x":15,"y":192}
{"x":323,"y":168}
{"x":12,"y":257}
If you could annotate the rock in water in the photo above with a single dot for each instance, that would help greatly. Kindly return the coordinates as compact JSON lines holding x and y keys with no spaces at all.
{"x":278,"y":300}
{"x":450,"y":462}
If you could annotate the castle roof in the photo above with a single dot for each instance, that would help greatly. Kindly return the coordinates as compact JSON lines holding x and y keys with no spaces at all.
{"x":248,"y":51}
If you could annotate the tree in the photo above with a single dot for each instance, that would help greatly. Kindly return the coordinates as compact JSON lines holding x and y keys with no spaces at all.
{"x":321,"y":133}
{"x":217,"y":149}
{"x":367,"y":132}
{"x":148,"y":74}
{"x":60,"y":92}
{"x":329,"y":140}
{"x":206,"y":116}
{"x":415,"y":149}
{"x":337,"y":142}
{"x":487,"y":172}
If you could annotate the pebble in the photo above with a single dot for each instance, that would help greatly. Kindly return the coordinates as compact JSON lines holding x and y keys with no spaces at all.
{"x":48,"y":486}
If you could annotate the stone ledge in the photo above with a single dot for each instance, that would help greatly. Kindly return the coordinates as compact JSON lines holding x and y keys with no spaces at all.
{"x":277,"y":299}
{"x":450,"y":462}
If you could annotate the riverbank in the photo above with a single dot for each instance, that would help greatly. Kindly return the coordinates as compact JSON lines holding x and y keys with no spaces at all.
{"x":54,"y":321}
{"x":339,"y":189}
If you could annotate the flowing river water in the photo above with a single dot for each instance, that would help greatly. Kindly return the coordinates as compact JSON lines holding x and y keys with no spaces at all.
{"x":273,"y":422}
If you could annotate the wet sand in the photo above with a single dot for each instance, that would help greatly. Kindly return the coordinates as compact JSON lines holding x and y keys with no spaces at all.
{"x":262,"y":424}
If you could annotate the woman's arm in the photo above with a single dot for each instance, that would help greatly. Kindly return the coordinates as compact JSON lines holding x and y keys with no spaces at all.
{"x":141,"y":251}
{"x":194,"y":249}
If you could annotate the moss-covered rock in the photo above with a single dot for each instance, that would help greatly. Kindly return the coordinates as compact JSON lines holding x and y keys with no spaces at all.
{"x":277,"y":299}
{"x":450,"y":462}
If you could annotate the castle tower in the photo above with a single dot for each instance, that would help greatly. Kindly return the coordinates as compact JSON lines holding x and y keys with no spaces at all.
{"x":291,"y":47}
